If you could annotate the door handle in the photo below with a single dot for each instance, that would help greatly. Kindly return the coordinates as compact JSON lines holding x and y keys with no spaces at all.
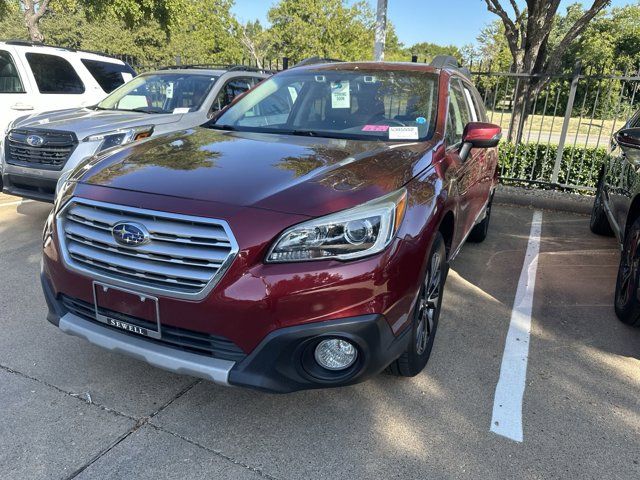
{"x":21,"y":107}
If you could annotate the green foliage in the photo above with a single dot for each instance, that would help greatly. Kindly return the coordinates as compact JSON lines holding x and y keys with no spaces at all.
{"x":534,"y":162}
{"x":427,"y":51}
{"x":331,"y":28}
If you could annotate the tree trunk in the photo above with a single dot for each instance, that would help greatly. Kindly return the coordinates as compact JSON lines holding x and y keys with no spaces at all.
{"x":31,"y":21}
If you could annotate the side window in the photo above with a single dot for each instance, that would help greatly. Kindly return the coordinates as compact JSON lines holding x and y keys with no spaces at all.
{"x":54,"y":74}
{"x":231,"y":90}
{"x":458,"y":115}
{"x":9,"y":78}
{"x":108,"y":75}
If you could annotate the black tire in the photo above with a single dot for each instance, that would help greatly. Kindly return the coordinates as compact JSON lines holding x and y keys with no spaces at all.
{"x":480,"y":231}
{"x":599,"y":223}
{"x":626,"y":299}
{"x":425,"y":314}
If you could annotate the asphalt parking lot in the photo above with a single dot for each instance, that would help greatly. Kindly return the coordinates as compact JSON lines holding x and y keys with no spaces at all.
{"x":72,"y":410}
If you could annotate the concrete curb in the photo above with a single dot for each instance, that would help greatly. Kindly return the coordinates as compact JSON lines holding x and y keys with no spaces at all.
{"x":544,"y":199}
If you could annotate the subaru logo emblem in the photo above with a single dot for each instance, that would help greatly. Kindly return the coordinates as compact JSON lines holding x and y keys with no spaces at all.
{"x":35,"y":140}
{"x":130,"y":234}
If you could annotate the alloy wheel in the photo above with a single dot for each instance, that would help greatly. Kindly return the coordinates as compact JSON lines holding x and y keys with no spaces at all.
{"x":428,"y":303}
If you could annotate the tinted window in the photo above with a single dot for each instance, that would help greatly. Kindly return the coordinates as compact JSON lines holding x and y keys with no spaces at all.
{"x":108,"y":75}
{"x":458,"y":115}
{"x":9,"y":78}
{"x":231,"y":90}
{"x":54,"y":74}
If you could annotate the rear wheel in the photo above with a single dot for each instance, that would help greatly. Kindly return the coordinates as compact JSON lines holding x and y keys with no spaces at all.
{"x":599,"y":223}
{"x":425,"y":314}
{"x":626,"y":300}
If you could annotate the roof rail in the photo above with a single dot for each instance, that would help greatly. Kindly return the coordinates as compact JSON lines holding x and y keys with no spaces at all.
{"x":451,"y":62}
{"x":316,"y":60}
{"x":216,"y":66}
{"x":29,"y":43}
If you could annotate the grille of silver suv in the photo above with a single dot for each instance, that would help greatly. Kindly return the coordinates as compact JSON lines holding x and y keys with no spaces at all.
{"x":52,"y":153}
{"x":184,"y":256}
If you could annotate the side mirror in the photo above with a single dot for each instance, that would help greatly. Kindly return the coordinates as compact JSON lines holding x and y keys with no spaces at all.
{"x":628,"y":137}
{"x":479,"y":135}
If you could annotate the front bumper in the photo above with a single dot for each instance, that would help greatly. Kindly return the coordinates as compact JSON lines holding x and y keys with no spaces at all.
{"x":279,"y":364}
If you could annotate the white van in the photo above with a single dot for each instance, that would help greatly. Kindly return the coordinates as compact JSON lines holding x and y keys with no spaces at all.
{"x":38,"y":78}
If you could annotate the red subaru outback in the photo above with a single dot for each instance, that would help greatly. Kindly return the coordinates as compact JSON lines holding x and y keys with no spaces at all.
{"x":301,"y":240}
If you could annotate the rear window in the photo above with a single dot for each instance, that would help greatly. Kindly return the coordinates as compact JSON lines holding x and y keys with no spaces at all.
{"x":9,"y":78}
{"x":109,"y":75}
{"x":53,"y":74}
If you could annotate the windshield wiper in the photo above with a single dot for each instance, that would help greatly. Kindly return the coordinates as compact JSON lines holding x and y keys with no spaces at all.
{"x":302,"y":133}
{"x":148,"y":110}
{"x":222,"y":127}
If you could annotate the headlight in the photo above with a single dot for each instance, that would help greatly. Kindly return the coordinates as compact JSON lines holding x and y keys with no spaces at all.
{"x":120,"y":137}
{"x":354,"y":233}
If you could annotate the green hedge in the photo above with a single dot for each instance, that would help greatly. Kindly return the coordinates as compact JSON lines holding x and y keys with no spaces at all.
{"x":536,"y":161}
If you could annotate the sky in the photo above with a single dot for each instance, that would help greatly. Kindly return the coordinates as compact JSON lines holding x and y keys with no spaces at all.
{"x":456,"y":22}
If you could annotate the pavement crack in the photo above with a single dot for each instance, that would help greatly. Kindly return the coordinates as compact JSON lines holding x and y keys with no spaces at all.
{"x":218,"y":453}
{"x":74,"y":395}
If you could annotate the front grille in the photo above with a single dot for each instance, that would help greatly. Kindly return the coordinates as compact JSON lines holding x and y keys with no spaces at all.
{"x":184,"y":257}
{"x":188,"y":340}
{"x":51,"y":155}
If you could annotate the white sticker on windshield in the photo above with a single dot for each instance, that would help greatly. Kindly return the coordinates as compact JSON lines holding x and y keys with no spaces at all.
{"x":168,"y":92}
{"x":403,"y":133}
{"x":181,"y":110}
{"x":340,"y":95}
{"x":126,"y":76}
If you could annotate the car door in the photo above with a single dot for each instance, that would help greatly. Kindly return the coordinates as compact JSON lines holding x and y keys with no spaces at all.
{"x":627,"y":163}
{"x":458,"y":116}
{"x":57,"y":82}
{"x":15,"y":98}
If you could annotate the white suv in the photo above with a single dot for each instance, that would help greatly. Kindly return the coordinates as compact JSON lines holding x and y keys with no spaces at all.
{"x":37,"y":78}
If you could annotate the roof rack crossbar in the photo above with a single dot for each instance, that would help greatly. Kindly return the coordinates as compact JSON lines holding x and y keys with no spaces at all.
{"x":29,"y":43}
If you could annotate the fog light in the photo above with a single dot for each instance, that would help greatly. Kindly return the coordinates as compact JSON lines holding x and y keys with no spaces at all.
{"x":335,"y":354}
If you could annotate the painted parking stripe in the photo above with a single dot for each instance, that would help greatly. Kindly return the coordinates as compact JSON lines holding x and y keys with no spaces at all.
{"x":507,"y":403}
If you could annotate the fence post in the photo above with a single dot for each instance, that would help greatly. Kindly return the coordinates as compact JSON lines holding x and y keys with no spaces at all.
{"x":285,"y":63}
{"x":565,"y":123}
{"x":414,"y":58}
{"x":178,"y":60}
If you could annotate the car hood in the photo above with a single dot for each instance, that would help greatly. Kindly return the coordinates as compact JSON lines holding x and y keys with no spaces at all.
{"x":301,"y":175}
{"x":86,"y":121}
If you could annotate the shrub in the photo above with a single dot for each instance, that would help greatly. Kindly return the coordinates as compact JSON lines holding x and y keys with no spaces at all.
{"x":532,"y":165}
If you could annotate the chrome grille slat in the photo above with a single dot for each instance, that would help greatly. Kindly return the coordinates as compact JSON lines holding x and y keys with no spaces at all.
{"x":198,"y":255}
{"x":185,"y":257}
{"x":156,"y":226}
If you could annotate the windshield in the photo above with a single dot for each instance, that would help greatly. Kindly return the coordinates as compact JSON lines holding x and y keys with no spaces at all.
{"x":358,"y":104}
{"x":161,"y":93}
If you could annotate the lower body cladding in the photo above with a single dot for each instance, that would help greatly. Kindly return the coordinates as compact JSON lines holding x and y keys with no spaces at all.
{"x":286,"y":360}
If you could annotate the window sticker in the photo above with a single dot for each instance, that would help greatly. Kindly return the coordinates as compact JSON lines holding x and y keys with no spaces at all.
{"x":403,"y":133}
{"x":340,"y":95}
{"x":168,"y":92}
{"x":375,"y":128}
{"x":421,"y":120}
{"x":181,"y":110}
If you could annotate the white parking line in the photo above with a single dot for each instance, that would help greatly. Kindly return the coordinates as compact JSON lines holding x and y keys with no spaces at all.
{"x":18,"y":202}
{"x":507,"y":403}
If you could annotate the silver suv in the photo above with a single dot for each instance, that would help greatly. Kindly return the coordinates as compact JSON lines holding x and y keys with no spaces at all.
{"x":39,"y":149}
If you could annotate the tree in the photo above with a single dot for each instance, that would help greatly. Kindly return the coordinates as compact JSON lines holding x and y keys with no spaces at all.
{"x":527,"y":35}
{"x":430,"y":50}
{"x":330,"y":29}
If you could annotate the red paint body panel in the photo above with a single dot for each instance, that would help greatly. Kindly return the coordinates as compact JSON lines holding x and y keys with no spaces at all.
{"x":262,"y":184}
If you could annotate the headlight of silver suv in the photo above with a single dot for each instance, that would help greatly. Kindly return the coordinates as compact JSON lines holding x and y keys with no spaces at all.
{"x":120,"y":137}
{"x":354,"y":233}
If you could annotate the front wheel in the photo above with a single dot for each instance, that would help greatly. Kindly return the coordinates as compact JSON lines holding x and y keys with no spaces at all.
{"x":626,"y":300}
{"x":599,"y":223}
{"x":425,"y":314}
